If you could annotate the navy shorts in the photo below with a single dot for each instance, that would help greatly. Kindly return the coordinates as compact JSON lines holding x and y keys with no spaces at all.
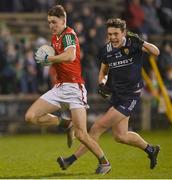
{"x":125,"y":104}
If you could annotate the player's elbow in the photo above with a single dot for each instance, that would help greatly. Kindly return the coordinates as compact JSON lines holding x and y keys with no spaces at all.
{"x":157,"y":52}
{"x":71,"y":54}
{"x":151,"y":48}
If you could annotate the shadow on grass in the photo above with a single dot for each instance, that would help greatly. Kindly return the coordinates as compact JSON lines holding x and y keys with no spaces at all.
{"x":53,"y":175}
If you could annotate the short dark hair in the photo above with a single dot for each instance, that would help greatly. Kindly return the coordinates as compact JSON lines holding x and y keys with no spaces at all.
{"x":116,"y":23}
{"x":57,"y":11}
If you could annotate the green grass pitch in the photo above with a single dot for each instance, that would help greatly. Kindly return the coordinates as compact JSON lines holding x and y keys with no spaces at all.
{"x":34,"y":156}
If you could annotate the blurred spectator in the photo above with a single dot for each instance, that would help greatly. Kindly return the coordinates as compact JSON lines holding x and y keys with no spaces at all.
{"x":3,"y":82}
{"x":43,"y":5}
{"x":25,"y":6}
{"x":79,"y":29}
{"x":28,"y":80}
{"x":39,"y":42}
{"x":90,"y":74}
{"x":165,"y":65}
{"x":8,"y":72}
{"x":151,"y":18}
{"x":71,"y":16}
{"x":164,"y":10}
{"x":87,"y":16}
{"x":99,"y":38}
{"x":6,"y":5}
{"x":134,"y":16}
{"x":8,"y":61}
{"x":165,"y":59}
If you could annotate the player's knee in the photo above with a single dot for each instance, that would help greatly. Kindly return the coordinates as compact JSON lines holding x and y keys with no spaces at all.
{"x":30,"y":117}
{"x":120,"y":138}
{"x":80,"y":135}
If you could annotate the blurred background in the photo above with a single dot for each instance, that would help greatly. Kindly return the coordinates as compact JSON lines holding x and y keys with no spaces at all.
{"x":24,"y":28}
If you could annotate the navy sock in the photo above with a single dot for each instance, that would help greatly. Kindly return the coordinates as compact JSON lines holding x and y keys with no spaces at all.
{"x":149,"y":149}
{"x":71,"y":159}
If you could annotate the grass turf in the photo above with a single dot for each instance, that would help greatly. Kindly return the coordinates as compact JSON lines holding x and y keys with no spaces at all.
{"x":34,"y":156}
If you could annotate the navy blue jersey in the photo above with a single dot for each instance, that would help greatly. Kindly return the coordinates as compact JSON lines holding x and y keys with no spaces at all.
{"x":125,"y":65}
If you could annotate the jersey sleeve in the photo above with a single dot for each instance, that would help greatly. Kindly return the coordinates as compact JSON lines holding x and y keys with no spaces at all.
{"x":69,"y":40}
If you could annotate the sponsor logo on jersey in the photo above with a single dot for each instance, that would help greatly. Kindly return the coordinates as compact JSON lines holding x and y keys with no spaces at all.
{"x":125,"y":62}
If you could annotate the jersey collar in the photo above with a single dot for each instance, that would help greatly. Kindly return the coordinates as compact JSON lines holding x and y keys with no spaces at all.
{"x":62,"y":32}
{"x":124,"y":42}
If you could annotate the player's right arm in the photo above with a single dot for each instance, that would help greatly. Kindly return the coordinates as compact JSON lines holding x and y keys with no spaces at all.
{"x":68,"y":55}
{"x":103,"y":73}
{"x":150,"y":48}
{"x":144,"y":45}
{"x":103,"y":89}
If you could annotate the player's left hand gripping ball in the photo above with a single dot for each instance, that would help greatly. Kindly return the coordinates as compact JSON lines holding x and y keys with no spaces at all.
{"x":41,"y":57}
{"x":42,"y":54}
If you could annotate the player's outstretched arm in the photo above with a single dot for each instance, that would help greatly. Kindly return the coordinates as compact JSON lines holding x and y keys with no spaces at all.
{"x":150,"y":48}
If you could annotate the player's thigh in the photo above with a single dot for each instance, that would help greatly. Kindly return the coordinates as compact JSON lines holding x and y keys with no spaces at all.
{"x":120,"y":128}
{"x":111,"y":117}
{"x":79,"y":118}
{"x":98,"y":127}
{"x":41,"y":107}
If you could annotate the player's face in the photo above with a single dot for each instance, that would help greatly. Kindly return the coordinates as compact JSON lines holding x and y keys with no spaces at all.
{"x":116,"y":36}
{"x":56,"y":24}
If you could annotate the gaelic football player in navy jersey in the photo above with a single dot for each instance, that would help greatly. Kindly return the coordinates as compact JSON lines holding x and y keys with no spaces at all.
{"x":121,"y":57}
{"x":69,"y":90}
